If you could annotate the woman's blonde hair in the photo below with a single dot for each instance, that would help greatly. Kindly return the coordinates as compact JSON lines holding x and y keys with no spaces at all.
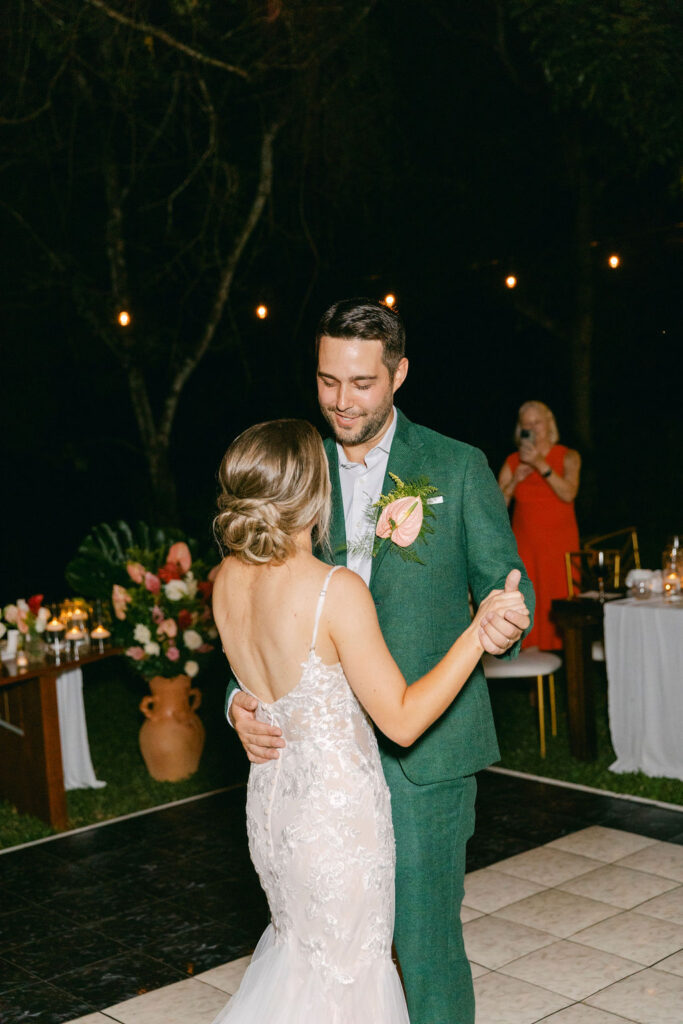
{"x":275,"y":483}
{"x":553,"y":432}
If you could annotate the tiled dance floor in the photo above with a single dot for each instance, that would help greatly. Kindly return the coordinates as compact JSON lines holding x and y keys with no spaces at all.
{"x":573,"y":913}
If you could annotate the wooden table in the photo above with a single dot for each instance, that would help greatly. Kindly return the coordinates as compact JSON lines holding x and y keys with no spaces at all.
{"x":31,"y":775}
{"x":579,"y":619}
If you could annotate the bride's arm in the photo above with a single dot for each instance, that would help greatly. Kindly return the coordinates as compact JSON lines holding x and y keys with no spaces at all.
{"x":402,"y":712}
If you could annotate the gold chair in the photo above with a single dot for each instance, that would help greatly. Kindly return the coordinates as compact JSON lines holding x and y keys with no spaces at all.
{"x":583,"y":570}
{"x":530,"y":662}
{"x":625,"y":541}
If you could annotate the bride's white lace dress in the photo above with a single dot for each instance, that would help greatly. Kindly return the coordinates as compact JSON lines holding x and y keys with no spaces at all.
{"x":321,"y":839}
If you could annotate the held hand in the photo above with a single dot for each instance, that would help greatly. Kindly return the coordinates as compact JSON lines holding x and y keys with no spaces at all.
{"x":260,"y":740}
{"x":521,"y":473}
{"x":503,"y":616}
{"x":529,"y":454}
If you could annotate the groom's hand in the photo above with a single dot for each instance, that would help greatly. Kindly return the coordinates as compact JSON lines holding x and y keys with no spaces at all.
{"x":501,"y":632}
{"x":260,"y":740}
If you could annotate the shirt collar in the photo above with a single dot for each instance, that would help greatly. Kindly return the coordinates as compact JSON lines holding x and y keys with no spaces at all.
{"x":383,"y":446}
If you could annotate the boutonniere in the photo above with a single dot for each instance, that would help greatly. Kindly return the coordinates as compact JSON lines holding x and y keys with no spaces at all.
{"x":401,"y":517}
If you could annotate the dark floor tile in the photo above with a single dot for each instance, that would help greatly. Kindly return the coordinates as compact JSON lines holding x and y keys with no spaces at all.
{"x":23,"y":926}
{"x":99,"y":901}
{"x":12,"y":976}
{"x":209,"y":944}
{"x":50,"y":879}
{"x":10,"y":900}
{"x":41,"y":1003}
{"x":119,"y":978}
{"x":46,"y":958}
{"x":148,"y":923}
{"x":221,"y":897}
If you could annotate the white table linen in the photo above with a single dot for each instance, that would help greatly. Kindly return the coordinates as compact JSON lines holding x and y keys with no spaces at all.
{"x":644,"y":656}
{"x":76,"y":762}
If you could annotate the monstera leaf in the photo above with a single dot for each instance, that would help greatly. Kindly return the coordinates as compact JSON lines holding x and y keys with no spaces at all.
{"x":101,"y":559}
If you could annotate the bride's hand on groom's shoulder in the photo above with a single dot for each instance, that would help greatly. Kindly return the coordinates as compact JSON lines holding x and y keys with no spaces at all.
{"x":261,"y":741}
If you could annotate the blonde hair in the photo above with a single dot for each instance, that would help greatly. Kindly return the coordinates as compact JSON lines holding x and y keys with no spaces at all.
{"x":275,"y":483}
{"x":553,"y":432}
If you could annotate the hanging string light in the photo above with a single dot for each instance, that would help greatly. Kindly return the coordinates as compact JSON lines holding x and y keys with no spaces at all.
{"x":614,"y":261}
{"x":262,"y":312}
{"x":389,"y":300}
{"x":123,"y":318}
{"x":511,"y":281}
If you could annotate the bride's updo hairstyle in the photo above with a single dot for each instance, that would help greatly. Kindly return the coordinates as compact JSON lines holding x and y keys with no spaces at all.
{"x":274,"y":484}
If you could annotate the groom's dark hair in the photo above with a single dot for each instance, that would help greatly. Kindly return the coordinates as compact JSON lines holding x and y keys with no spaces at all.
{"x":369,"y":320}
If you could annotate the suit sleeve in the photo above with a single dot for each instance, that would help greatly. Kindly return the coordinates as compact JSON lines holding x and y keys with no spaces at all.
{"x":491,"y":545}
{"x":229,"y":693}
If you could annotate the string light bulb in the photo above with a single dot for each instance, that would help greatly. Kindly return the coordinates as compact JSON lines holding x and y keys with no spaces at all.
{"x":390,"y":300}
{"x":262,"y":312}
{"x":123,"y":318}
{"x":614,"y":261}
{"x":511,"y":281}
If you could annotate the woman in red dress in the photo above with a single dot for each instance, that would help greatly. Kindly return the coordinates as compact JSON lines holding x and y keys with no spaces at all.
{"x":542,"y":478}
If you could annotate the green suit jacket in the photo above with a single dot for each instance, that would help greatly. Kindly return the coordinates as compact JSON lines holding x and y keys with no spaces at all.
{"x":423,"y":608}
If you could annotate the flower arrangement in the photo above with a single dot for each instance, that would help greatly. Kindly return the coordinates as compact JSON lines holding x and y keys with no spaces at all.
{"x":30,"y":616}
{"x":163,"y":614}
{"x":402,"y":517}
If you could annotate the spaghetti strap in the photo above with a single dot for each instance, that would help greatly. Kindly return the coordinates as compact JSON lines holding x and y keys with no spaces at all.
{"x":321,"y":601}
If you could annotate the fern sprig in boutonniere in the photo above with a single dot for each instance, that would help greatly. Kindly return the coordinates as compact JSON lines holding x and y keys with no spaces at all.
{"x":402,"y":517}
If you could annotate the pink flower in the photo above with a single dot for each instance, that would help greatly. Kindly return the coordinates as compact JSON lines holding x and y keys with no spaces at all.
{"x":136,"y":653}
{"x":179,"y":554}
{"x":168,"y":627}
{"x":401,"y":520}
{"x":205,"y":648}
{"x":157,"y":614}
{"x":120,"y":598}
{"x":136,"y":571}
{"x":173,"y":654}
{"x":152,"y":582}
{"x":22,"y":624}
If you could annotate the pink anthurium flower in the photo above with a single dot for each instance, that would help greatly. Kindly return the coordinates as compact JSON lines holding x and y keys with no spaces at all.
{"x":401,"y":520}
{"x":179,"y":554}
{"x":136,"y":571}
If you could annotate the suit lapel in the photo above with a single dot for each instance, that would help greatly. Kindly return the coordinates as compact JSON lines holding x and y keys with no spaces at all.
{"x":406,"y":459}
{"x":337,"y":524}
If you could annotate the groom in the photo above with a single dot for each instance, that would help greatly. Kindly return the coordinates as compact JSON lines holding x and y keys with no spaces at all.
{"x":421,"y":609}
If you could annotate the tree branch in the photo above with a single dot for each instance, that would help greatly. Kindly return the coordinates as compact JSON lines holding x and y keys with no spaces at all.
{"x":158,"y":33}
{"x":191,"y":361}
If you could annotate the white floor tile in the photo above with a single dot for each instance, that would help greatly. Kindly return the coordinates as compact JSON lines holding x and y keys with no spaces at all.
{"x":672,"y":964}
{"x":492,"y":942}
{"x":668,"y":907}
{"x":227,"y":977}
{"x":469,"y":914}
{"x":559,"y":913}
{"x":618,"y":886}
{"x":659,"y":858}
{"x":651,"y":997}
{"x":546,"y":866}
{"x":92,"y":1018}
{"x":478,"y":971}
{"x":570,"y":969}
{"x":579,"y":1013}
{"x":607,"y":844}
{"x":635,"y":937}
{"x":503,"y":1000}
{"x":488,"y":890}
{"x":185,"y":1002}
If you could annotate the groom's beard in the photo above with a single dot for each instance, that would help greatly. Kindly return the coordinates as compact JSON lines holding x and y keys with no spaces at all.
{"x":364,"y":426}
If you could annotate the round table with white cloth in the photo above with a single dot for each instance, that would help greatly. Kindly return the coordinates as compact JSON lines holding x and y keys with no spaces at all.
{"x":73,"y":731}
{"x":644,"y":659}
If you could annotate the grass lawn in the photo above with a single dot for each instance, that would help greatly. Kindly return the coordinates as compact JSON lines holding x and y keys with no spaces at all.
{"x":113,"y":693}
{"x":517,"y":727}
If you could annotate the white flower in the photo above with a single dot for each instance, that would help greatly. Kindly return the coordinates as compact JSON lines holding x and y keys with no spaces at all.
{"x":191,"y":669}
{"x":43,"y":614}
{"x":142,"y":634}
{"x":40,"y":625}
{"x":192,"y":639}
{"x":152,"y":648}
{"x":3,"y":629}
{"x":10,"y":613}
{"x":175,"y":590}
{"x":22,"y":605}
{"x":212,"y":632}
{"x":191,"y":584}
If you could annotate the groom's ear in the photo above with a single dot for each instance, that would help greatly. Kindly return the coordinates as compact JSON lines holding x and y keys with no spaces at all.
{"x":400,"y":374}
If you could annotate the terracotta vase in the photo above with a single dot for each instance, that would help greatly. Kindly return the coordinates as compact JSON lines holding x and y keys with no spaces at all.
{"x":172,"y":735}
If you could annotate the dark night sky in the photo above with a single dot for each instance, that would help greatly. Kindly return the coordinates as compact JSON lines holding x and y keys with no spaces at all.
{"x":474,"y":192}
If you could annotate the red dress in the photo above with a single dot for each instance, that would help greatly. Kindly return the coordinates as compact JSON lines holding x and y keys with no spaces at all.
{"x":545,"y":527}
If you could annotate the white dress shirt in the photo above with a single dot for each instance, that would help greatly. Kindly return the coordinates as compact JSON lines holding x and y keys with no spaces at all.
{"x":361,"y":486}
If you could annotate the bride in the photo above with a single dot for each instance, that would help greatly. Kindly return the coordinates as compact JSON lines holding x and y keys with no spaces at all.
{"x":303,"y":639}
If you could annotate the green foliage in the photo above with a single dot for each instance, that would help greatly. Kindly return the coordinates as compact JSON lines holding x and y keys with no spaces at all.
{"x":100,"y":560}
{"x":620,"y":61}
